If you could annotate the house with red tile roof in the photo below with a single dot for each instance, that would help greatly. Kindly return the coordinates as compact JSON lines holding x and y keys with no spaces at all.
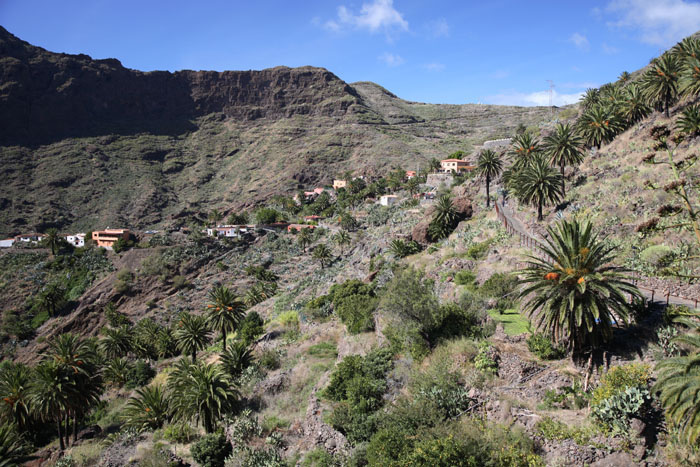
{"x":455,"y":166}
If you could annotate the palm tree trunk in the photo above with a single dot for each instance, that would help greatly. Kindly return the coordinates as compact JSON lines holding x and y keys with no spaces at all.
{"x":539,"y":211}
{"x":589,"y":365}
{"x":223,"y":332}
{"x":194,"y":356}
{"x":60,"y":433}
{"x":488,"y":198}
{"x":563,"y":182}
{"x":67,"y":433}
{"x":75,"y":427}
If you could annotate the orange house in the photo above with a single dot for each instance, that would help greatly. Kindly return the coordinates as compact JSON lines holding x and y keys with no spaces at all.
{"x":299,"y":227}
{"x":108,"y":237}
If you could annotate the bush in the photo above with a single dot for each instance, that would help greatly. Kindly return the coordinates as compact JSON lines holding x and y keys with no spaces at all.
{"x":484,"y":360}
{"x":615,"y":412}
{"x":502,"y":287}
{"x":124,"y":281}
{"x":211,"y":450}
{"x":268,"y":216}
{"x":618,"y":379}
{"x":442,"y":390}
{"x":140,"y":374}
{"x":354,"y":302}
{"x":457,"y":320}
{"x":658,"y":256}
{"x":179,"y":433}
{"x":270,"y":359}
{"x":251,"y":328}
{"x":465,"y":278}
{"x":478,"y":250}
{"x":542,"y":346}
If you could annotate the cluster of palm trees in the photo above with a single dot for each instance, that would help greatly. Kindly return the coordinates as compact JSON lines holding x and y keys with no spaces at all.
{"x":532,"y":175}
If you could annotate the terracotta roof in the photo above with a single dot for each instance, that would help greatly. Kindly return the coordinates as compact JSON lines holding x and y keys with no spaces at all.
{"x":454,"y":160}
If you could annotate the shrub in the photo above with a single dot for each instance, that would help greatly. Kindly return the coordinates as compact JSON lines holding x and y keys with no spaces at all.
{"x":354,"y":302}
{"x":211,"y":450}
{"x":551,"y":429}
{"x":465,"y":278}
{"x":484,"y":360}
{"x":251,"y":328}
{"x":658,"y":255}
{"x":542,"y":346}
{"x":140,"y":374}
{"x":289,"y":319}
{"x":324,"y":350}
{"x":179,"y":433}
{"x":180,"y":282}
{"x":502,"y":287}
{"x":124,"y":281}
{"x":270,"y":359}
{"x":618,"y":379}
{"x":268,"y":216}
{"x":457,"y":320}
{"x":615,"y":412}
{"x":443,"y":390}
{"x":478,"y":250}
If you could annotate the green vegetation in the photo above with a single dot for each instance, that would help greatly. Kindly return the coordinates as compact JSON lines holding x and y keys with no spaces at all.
{"x":489,"y":166}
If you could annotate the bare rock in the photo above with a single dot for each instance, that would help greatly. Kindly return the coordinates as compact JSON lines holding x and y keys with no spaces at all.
{"x":616,"y":459}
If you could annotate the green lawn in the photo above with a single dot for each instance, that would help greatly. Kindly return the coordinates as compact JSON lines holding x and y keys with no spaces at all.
{"x":513,"y":322}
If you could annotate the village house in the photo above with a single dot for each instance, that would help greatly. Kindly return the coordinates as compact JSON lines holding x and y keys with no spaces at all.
{"x":338,"y":184}
{"x":299,"y":227}
{"x":455,"y":166}
{"x":108,"y":237}
{"x":77,"y":240}
{"x":7,"y":243}
{"x":313,"y":218}
{"x":29,"y":238}
{"x":229,"y":231}
{"x":388,"y":200}
{"x":410,"y":174}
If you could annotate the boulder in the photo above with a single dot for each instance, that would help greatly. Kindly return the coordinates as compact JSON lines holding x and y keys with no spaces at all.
{"x":419,"y":233}
{"x":616,"y":459}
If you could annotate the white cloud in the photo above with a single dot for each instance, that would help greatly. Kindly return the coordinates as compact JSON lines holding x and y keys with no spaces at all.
{"x":540,"y":98}
{"x":434,"y":66}
{"x":580,"y":41}
{"x":439,"y":28}
{"x":380,"y":15}
{"x":391,"y":59}
{"x":609,"y":49}
{"x":659,"y":22}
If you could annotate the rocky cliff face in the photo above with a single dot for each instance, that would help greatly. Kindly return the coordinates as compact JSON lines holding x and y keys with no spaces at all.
{"x":47,"y":96}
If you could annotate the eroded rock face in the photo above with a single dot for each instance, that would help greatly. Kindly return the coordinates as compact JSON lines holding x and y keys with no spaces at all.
{"x":48,"y":96}
{"x":420,"y":231}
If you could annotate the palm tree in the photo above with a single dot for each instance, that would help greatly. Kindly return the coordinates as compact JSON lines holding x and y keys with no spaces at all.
{"x":489,"y":166}
{"x":539,"y":184}
{"x":201,"y":392}
{"x":688,"y":48}
{"x":445,"y":218}
{"x":575,"y":294}
{"x":660,"y":82}
{"x":117,"y":371}
{"x":322,"y":254}
{"x":149,"y":409}
{"x":524,"y":147}
{"x":53,"y":240}
{"x":678,"y":382}
{"x":690,"y":78}
{"x":634,"y":107}
{"x":116,"y":341}
{"x":624,"y":77}
{"x":50,"y":393}
{"x":226,"y":311}
{"x":564,"y":147}
{"x":192,"y":334}
{"x":215,"y":216}
{"x":590,"y":99}
{"x":598,"y":125}
{"x":342,"y":238}
{"x":52,"y":298}
{"x":236,"y":359}
{"x":412,"y":185}
{"x":689,"y":122}
{"x":15,"y":380}
{"x":304,"y":238}
{"x":13,"y":449}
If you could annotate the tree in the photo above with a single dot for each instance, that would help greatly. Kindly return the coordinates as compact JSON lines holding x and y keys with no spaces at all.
{"x":634,"y":106}
{"x":678,"y":383}
{"x":268,"y":216}
{"x":538,"y":184}
{"x":238,"y":218}
{"x":564,"y":147}
{"x":434,"y":165}
{"x":15,"y":380}
{"x":575,"y":294}
{"x":53,"y":240}
{"x":489,"y":166}
{"x":226,"y":310}
{"x":13,"y":449}
{"x":149,"y":409}
{"x":304,"y":238}
{"x":215,"y":217}
{"x":341,"y":239}
{"x":322,"y":254}
{"x":116,"y":341}
{"x":445,"y":218}
{"x":192,"y":334}
{"x":590,"y":99}
{"x":524,"y":147}
{"x":236,"y":359}
{"x":689,"y":122}
{"x":49,"y":395}
{"x":688,"y":48}
{"x":52,"y":298}
{"x":201,"y":392}
{"x":598,"y":125}
{"x":690,"y":77}
{"x":412,"y":185}
{"x":624,"y":77}
{"x":660,"y":82}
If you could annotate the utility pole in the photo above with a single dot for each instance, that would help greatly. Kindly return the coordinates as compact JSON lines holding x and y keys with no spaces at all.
{"x":551,"y":92}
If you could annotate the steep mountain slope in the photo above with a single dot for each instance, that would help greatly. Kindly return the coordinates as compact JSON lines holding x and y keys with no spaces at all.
{"x":89,"y":143}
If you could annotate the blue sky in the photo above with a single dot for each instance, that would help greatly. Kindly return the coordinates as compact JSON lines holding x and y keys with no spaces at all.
{"x":498,"y":51}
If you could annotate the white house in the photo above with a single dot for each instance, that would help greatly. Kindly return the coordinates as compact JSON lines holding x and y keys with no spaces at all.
{"x":229,"y":231}
{"x":30,"y":238}
{"x":7,"y":243}
{"x":388,"y":200}
{"x":77,"y":240}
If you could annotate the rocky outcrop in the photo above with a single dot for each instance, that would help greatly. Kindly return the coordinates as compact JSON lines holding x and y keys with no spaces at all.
{"x":48,"y":96}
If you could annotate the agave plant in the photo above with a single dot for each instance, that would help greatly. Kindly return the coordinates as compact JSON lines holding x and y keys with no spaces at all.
{"x":149,"y":409}
{"x":678,"y":382}
{"x":689,"y":122}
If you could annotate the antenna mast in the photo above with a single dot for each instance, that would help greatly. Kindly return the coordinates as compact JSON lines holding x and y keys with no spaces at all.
{"x":551,"y":93}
